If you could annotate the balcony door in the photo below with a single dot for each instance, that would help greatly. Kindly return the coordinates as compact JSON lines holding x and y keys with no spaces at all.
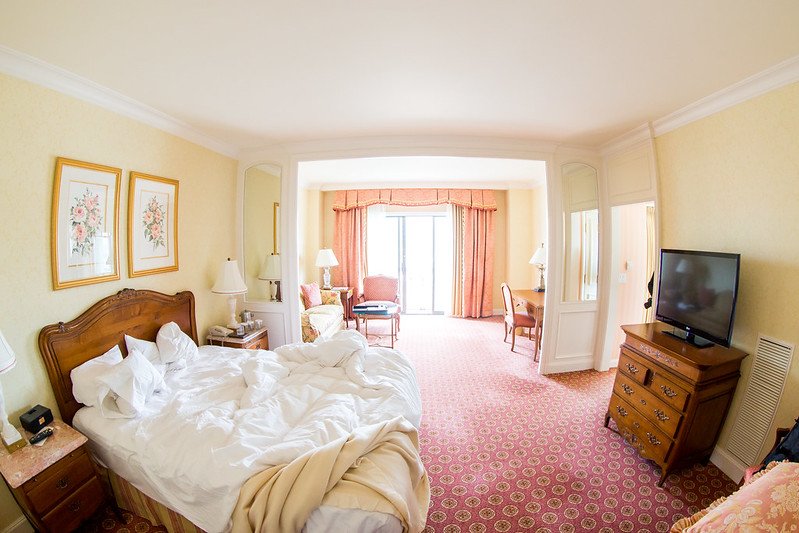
{"x":416,"y":247}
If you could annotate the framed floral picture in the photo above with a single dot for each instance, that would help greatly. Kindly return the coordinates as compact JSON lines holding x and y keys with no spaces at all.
{"x":152,"y":225}
{"x":85,"y":223}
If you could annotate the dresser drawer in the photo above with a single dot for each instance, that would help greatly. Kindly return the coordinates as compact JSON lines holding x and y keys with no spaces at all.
{"x":632,"y":366}
{"x":669,"y":392}
{"x":665,"y":417}
{"x":638,"y":431}
{"x":76,"y":508}
{"x":61,"y":479}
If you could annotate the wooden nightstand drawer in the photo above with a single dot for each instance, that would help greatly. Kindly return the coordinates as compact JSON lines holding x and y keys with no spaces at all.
{"x":58,"y":481}
{"x":76,"y":508}
{"x":260,"y":344}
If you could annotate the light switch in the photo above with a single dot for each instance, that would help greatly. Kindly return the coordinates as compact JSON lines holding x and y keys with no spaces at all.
{"x":623,"y":277}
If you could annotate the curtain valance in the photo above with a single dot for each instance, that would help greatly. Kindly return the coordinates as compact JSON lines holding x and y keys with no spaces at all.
{"x":480,"y":199}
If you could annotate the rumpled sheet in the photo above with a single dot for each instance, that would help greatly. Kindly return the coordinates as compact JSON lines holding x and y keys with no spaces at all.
{"x":233,"y":413}
{"x":377,"y":468}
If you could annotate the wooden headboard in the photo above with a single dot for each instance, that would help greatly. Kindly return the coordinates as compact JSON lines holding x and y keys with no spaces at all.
{"x":138,"y":313}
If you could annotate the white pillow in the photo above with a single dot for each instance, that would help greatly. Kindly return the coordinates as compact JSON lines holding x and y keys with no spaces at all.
{"x":174,"y":345}
{"x":148,"y":348}
{"x":130,"y":384}
{"x":86,"y":388}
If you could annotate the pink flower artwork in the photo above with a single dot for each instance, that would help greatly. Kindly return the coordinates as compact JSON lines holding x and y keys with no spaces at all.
{"x":152,"y":216}
{"x":86,"y":220}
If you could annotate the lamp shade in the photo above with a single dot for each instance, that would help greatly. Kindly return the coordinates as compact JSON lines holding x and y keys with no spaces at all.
{"x":229,"y":280}
{"x":326,"y":258}
{"x":7,"y":357}
{"x":539,"y":257}
{"x":271,"y":268}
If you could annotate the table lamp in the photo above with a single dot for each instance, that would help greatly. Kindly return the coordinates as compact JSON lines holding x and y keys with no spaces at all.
{"x":271,"y":273}
{"x":12,"y":439}
{"x":229,"y":282}
{"x":326,"y":259}
{"x":539,"y":259}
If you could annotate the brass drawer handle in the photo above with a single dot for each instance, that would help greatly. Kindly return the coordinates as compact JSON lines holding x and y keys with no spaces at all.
{"x":62,"y":483}
{"x":622,"y":411}
{"x":75,"y":506}
{"x":626,"y":388}
{"x":668,"y":391}
{"x":661,"y":415}
{"x":653,"y":439}
{"x":632,"y":368}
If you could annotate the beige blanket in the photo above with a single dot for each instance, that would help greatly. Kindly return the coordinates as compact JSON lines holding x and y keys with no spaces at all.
{"x":376,"y":468}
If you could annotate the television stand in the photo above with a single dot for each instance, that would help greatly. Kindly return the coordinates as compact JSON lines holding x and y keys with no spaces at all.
{"x":690,"y":338}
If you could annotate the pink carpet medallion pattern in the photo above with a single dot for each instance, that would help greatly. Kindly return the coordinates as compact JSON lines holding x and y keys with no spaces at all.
{"x":510,"y":450}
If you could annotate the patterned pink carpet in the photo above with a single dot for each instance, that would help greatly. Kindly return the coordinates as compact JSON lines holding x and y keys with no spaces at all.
{"x":510,"y":450}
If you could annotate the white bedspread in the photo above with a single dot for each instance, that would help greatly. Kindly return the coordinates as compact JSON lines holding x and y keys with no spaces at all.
{"x":232,"y":413}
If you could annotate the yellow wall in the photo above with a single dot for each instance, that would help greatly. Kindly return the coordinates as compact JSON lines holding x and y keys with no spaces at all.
{"x":36,"y":126}
{"x":310,"y":234}
{"x":730,"y":183}
{"x":526,"y":229}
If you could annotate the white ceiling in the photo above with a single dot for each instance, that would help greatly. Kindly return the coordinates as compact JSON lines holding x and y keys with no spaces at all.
{"x":410,"y":171}
{"x":251,"y":73}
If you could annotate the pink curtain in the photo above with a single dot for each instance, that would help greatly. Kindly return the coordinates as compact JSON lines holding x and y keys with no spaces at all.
{"x":349,"y":245}
{"x":478,"y":262}
{"x":471,"y":198}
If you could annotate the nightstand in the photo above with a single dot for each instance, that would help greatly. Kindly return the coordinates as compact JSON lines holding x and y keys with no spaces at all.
{"x":55,"y":484}
{"x":255,"y":340}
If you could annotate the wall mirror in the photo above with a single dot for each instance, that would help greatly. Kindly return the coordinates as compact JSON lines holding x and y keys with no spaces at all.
{"x":580,"y":232}
{"x":261,"y":231}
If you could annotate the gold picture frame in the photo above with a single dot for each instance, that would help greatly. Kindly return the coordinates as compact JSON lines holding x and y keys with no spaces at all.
{"x":84,"y":226}
{"x":152,"y":225}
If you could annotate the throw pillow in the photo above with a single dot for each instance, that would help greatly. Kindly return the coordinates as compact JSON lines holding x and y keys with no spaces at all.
{"x":311,"y":295}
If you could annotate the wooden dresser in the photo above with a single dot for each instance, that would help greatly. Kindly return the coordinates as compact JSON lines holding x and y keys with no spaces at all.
{"x":670,"y":398}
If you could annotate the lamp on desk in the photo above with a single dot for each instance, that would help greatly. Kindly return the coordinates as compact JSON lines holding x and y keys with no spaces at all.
{"x":539,"y":259}
{"x":271,"y":273}
{"x":229,"y":282}
{"x":12,"y":439}
{"x":326,"y":259}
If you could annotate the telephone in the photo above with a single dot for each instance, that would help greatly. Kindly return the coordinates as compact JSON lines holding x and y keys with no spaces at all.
{"x":220,"y":331}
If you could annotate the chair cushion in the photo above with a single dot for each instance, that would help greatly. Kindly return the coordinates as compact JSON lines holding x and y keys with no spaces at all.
{"x":311,"y":295}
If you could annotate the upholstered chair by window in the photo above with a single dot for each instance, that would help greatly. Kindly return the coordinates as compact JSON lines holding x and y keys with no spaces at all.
{"x":381,"y":290}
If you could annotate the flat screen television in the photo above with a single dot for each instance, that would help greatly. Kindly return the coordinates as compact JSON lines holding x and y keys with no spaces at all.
{"x":697,"y":294}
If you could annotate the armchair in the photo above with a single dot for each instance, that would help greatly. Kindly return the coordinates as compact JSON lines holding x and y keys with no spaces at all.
{"x":381,"y":289}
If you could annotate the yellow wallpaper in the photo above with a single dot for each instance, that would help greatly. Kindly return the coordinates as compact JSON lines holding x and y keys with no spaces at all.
{"x":261,"y":191}
{"x":36,"y":126}
{"x":730,"y":183}
{"x":526,"y":230}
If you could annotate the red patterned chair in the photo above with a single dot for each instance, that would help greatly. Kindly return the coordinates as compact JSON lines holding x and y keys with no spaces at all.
{"x":381,"y":290}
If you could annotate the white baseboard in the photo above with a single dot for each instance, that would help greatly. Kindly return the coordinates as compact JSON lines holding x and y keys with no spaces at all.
{"x":20,"y":525}
{"x":574,"y":364}
{"x":728,"y":464}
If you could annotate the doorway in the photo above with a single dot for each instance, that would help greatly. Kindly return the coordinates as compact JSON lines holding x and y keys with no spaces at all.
{"x":414,"y":245}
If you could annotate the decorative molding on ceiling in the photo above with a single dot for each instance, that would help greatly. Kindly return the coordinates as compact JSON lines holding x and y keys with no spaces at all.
{"x":491,"y":185}
{"x":768,"y":80}
{"x":41,"y":73}
{"x":632,"y":138}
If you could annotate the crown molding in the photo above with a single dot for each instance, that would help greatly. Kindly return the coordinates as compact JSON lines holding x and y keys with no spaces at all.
{"x":41,"y":73}
{"x":503,"y":185}
{"x":773,"y":78}
{"x":633,"y":138}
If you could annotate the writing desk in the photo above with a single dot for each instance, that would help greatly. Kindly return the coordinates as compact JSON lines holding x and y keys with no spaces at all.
{"x":534,"y":302}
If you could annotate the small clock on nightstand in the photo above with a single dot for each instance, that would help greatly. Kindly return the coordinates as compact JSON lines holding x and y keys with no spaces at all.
{"x":255,"y":340}
{"x":55,"y":484}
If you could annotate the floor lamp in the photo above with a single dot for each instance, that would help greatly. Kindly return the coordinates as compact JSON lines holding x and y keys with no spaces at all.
{"x":229,"y":282}
{"x":12,"y":439}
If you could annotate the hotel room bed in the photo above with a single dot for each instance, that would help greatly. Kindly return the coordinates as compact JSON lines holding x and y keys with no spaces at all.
{"x":230,"y":413}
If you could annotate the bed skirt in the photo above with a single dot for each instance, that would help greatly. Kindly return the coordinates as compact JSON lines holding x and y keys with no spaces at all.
{"x":132,"y":499}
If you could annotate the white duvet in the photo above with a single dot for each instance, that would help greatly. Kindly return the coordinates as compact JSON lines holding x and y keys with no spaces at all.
{"x":232,"y":413}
